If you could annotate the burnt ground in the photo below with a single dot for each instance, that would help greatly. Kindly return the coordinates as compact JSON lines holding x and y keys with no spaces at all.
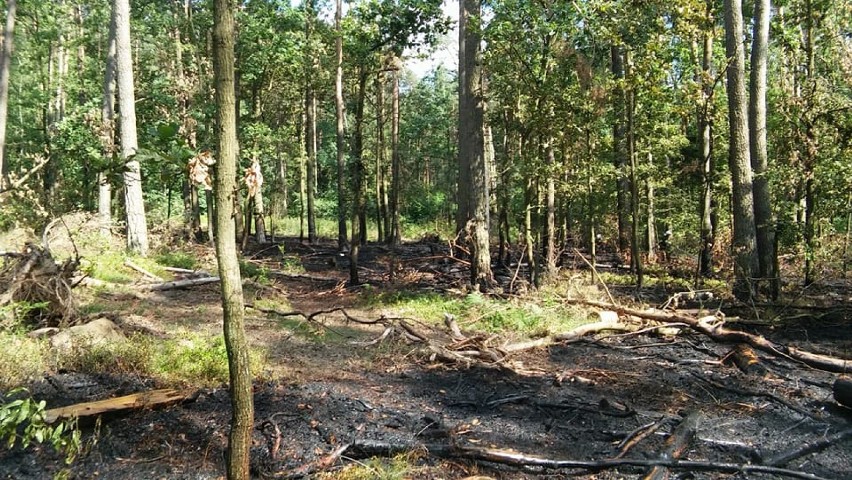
{"x":580,"y":401}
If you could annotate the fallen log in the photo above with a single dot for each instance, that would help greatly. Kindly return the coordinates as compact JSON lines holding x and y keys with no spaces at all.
{"x":143,"y":271}
{"x":365,"y":448}
{"x":807,"y":448}
{"x":715,"y":329}
{"x":177,"y":284}
{"x":136,"y":401}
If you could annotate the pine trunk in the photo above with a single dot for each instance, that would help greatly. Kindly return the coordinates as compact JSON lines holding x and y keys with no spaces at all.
{"x":396,"y":168}
{"x":763,"y":216}
{"x":137,"y":230}
{"x":705,"y":127}
{"x":471,"y":108}
{"x":744,"y":244}
{"x":5,"y":63}
{"x":107,"y":134}
{"x":341,"y":155}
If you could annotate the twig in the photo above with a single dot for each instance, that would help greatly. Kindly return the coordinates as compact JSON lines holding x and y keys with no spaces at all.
{"x":596,"y":275}
{"x":807,"y":448}
{"x":636,"y":436}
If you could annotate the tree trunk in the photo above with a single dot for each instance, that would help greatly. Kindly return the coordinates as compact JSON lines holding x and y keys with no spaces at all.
{"x":745,"y":258}
{"x":341,"y":155}
{"x":227,"y":194}
{"x":651,"y":237}
{"x":551,"y":253}
{"x":810,"y":148}
{"x":381,"y":205}
{"x":763,"y":216}
{"x":635,"y":252}
{"x":5,"y":62}
{"x":107,"y":134}
{"x":310,"y":127}
{"x":137,"y":230}
{"x":471,"y":143}
{"x":259,"y":223}
{"x":359,"y":205}
{"x":622,"y":184}
{"x":705,"y":127}
{"x":396,"y":170}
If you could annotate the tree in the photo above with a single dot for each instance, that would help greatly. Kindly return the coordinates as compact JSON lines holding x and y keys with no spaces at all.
{"x":227,"y":194}
{"x":137,"y":229}
{"x":744,"y":243}
{"x":107,"y":133}
{"x":5,"y":62}
{"x":763,"y":216}
{"x":471,"y":143}
{"x":340,"y":137}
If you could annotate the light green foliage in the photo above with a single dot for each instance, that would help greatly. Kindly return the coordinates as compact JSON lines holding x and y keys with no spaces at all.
{"x":22,"y":421}
{"x":178,"y":259}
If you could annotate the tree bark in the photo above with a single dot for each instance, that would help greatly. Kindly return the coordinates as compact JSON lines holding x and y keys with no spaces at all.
{"x":137,"y":229}
{"x":705,"y":127}
{"x":341,"y":155}
{"x":763,"y":216}
{"x":635,"y":251}
{"x":359,"y":205}
{"x":651,"y":218}
{"x":5,"y":63}
{"x":107,"y":134}
{"x":471,"y":107}
{"x":227,"y":194}
{"x":381,"y":196}
{"x":396,"y":168}
{"x":744,"y":243}
{"x":622,"y":183}
{"x":551,"y":253}
{"x":310,"y":127}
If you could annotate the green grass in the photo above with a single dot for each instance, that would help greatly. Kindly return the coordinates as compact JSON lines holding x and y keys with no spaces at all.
{"x":177,"y":259}
{"x":24,"y":359}
{"x":187,"y":359}
{"x":529,"y":316}
{"x":399,"y":467}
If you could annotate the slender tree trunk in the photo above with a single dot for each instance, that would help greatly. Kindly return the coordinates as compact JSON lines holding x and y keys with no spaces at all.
{"x":651,"y":237}
{"x":396,"y":170}
{"x":137,"y":230}
{"x":810,"y":148}
{"x":381,"y":206}
{"x":107,"y":134}
{"x":705,"y":127}
{"x":744,"y":243}
{"x":359,"y":205}
{"x":227,"y":194}
{"x":622,"y":183}
{"x":551,"y":253}
{"x":763,"y":216}
{"x":471,"y":108}
{"x":310,"y":127}
{"x":635,"y":251}
{"x":341,"y":155}
{"x":5,"y":62}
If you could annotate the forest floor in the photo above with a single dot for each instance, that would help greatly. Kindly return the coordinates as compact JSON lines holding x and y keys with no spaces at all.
{"x":326,"y":387}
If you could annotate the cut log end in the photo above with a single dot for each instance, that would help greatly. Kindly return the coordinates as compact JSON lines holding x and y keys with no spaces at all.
{"x":843,"y":391}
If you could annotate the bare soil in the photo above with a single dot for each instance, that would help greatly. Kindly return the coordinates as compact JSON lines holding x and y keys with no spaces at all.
{"x":581,"y":401}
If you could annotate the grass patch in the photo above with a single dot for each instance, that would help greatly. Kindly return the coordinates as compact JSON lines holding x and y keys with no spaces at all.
{"x":399,"y":467}
{"x":538,"y":316}
{"x":190,"y":359}
{"x":24,"y":359}
{"x":177,"y":259}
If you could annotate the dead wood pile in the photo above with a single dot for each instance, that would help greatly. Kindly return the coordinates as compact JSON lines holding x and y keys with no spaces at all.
{"x":42,"y":288}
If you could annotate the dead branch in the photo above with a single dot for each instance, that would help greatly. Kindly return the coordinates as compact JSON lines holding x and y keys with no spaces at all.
{"x":807,"y":448}
{"x":715,"y":329}
{"x":371,"y":448}
{"x":636,"y":436}
{"x":177,"y":284}
{"x":20,"y":181}
{"x":143,"y":271}
{"x":135,"y":401}
{"x":676,"y":445}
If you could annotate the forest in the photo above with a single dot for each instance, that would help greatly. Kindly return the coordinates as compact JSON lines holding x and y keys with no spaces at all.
{"x":426,"y":239}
